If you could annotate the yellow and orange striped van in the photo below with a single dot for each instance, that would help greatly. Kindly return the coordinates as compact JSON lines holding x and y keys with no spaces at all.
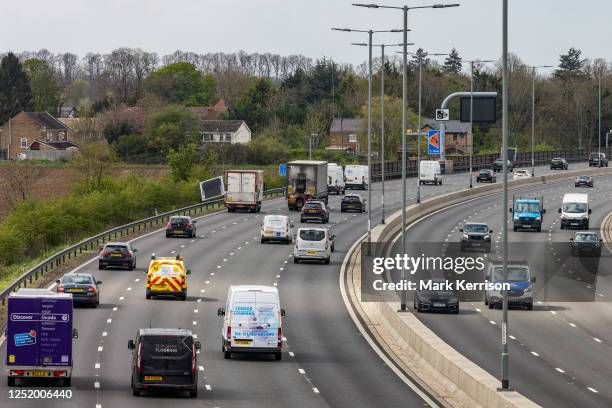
{"x":167,"y":276}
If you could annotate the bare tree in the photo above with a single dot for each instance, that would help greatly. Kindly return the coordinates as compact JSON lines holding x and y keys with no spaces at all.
{"x":20,"y":181}
{"x":120,"y":64}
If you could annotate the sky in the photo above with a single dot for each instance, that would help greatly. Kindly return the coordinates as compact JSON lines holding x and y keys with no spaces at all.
{"x":539,"y":30}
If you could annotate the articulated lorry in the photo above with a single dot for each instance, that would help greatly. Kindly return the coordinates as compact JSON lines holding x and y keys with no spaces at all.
{"x":244,"y":190}
{"x":306,"y":180}
{"x":527,"y":213}
{"x":39,"y":336}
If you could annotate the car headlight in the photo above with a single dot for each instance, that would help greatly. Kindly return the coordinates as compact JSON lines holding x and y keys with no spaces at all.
{"x":538,"y":218}
{"x":585,"y":217}
{"x":487,"y":237}
{"x":465,"y":236}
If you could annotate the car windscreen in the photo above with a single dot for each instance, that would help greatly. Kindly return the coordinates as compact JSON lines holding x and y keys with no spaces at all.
{"x":312,"y":206}
{"x":575,"y":208}
{"x":274,"y":222}
{"x":587,"y":238}
{"x":116,"y":248}
{"x":484,"y":172}
{"x":312,"y":235}
{"x":77,"y":280}
{"x":527,"y":207}
{"x":584,"y":178}
{"x":443,"y":293}
{"x":515,"y":274}
{"x":476,"y":228}
{"x":166,"y":352}
{"x":179,"y":220}
{"x":351,"y":199}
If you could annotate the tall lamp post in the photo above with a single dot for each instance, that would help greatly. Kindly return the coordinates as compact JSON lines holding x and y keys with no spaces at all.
{"x":472,"y":114}
{"x":405,"y":10}
{"x":370,"y":33}
{"x":382,"y":119}
{"x":599,"y":120}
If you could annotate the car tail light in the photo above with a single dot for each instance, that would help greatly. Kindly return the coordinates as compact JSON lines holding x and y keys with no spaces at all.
{"x":138,"y":359}
{"x":280,"y":337}
{"x":59,"y":374}
{"x":91,"y":289}
{"x":60,"y":288}
{"x":190,"y":226}
{"x":168,"y":225}
{"x":229,"y":335}
{"x":104,"y":253}
{"x":193,"y":360}
{"x":19,"y":373}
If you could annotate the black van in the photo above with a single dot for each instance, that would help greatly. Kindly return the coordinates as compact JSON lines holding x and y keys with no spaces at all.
{"x":164,"y":359}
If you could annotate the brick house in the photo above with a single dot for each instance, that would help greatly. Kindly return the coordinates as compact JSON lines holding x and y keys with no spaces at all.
{"x":225,"y":131}
{"x":343,"y":135}
{"x":21,"y":131}
{"x":212,"y":112}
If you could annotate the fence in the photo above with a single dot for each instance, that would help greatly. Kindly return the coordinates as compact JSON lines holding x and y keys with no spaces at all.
{"x":61,"y":257}
{"x":482,"y":161}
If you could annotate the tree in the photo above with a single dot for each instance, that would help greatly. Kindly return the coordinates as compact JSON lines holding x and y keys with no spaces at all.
{"x":452,"y":64}
{"x":420,"y":56}
{"x":181,"y":83}
{"x":15,"y":91}
{"x":93,"y":162}
{"x":571,"y":65}
{"x":181,"y":161}
{"x":254,"y":105}
{"x":171,"y":128}
{"x":44,"y":85}
{"x":19,"y":181}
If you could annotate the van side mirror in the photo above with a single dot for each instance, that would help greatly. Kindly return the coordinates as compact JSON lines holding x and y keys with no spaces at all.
{"x":510,"y":210}
{"x":572,"y":239}
{"x":221,"y":311}
{"x":188,"y":272}
{"x":134,"y":250}
{"x":460,"y":229}
{"x":590,"y":211}
{"x":75,"y":333}
{"x":58,"y":281}
{"x":98,"y":282}
{"x":544,"y":211}
{"x":131,"y":345}
{"x":197,"y":345}
{"x":490,"y":231}
{"x":292,"y":225}
{"x":194,"y":222}
{"x":533,"y":279}
{"x":283,"y":314}
{"x":559,"y":211}
{"x":333,"y":236}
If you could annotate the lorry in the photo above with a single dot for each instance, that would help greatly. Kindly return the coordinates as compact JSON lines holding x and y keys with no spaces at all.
{"x":527,"y":213}
{"x":39,"y":336}
{"x":244,"y":190}
{"x":335,"y":179}
{"x":356,"y":176}
{"x":306,"y":180}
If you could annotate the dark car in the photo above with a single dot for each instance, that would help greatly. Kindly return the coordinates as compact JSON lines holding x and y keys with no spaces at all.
{"x":586,"y":181}
{"x":476,"y":235}
{"x":83,"y":286}
{"x":558,"y":163}
{"x":164,"y":359}
{"x":352,"y":202}
{"x":117,"y":254}
{"x":436,"y":300}
{"x":598,"y":160}
{"x":315,"y":210}
{"x":499,"y":163}
{"x":585,"y":243}
{"x":181,"y":226}
{"x":486,"y":175}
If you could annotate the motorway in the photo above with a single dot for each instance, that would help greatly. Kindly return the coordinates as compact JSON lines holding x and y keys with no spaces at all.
{"x":560,"y":353}
{"x":326,"y":362}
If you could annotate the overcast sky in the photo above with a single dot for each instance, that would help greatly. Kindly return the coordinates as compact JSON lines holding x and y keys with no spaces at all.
{"x":539,"y":29}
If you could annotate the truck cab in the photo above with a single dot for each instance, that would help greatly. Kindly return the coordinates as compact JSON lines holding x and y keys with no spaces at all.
{"x":527,"y":213}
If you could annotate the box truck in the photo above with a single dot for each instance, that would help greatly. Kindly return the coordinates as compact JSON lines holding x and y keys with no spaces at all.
{"x":39,"y":336}
{"x":306,"y":180}
{"x":244,"y":190}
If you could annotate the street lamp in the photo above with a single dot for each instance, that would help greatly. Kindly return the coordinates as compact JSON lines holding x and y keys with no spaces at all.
{"x":405,"y":10}
{"x":370,"y":33}
{"x":472,"y":113}
{"x":533,"y":80}
{"x":382,"y":119}
{"x":312,"y":136}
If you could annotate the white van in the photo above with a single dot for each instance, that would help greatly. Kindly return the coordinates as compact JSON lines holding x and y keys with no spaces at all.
{"x":430,"y":172}
{"x":575,"y":211}
{"x":335,"y":179}
{"x":276,"y":228}
{"x":356,"y":177}
{"x":315,"y":244}
{"x":252,"y":321}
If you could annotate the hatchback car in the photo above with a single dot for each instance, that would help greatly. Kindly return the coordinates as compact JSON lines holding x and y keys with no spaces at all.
{"x":117,"y":254}
{"x":486,"y":175}
{"x":181,"y":226}
{"x":586,"y":243}
{"x":559,"y":163}
{"x":313,"y":244}
{"x":352,"y":202}
{"x":499,"y":163}
{"x":315,"y":210}
{"x":521,"y":174}
{"x":476,"y":235}
{"x":598,"y":160}
{"x":436,"y":301}
{"x":83,"y":286}
{"x":586,"y":181}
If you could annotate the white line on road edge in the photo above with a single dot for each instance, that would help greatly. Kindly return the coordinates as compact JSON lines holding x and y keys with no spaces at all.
{"x":208,"y":387}
{"x":593,"y":390}
{"x":291,"y":354}
{"x":366,"y":335}
{"x":562,"y":371}
{"x":301,"y":371}
{"x":315,"y":390}
{"x":97,"y":384}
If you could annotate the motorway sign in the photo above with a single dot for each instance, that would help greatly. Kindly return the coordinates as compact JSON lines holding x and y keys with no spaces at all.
{"x":282,"y":169}
{"x":442,"y":115}
{"x":433,"y":142}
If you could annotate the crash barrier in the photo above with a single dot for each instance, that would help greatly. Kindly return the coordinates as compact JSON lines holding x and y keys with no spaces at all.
{"x":59,"y":258}
{"x":463,"y":382}
{"x":461,"y":164}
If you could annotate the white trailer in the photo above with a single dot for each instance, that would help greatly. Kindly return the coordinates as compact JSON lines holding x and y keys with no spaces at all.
{"x":244,"y":190}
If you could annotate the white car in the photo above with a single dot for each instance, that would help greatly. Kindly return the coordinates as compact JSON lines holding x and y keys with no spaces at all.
{"x":276,"y":228}
{"x":521,"y":174}
{"x":314,"y":244}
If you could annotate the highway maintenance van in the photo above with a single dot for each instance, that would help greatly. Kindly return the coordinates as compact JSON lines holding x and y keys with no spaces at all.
{"x":167,"y":276}
{"x":575,"y":211}
{"x":39,"y":336}
{"x":252,"y":321}
{"x":527,"y":213}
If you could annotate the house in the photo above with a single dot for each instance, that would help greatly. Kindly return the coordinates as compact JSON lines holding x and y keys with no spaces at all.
{"x":211,"y":112}
{"x":83,"y":129}
{"x":343,"y":134}
{"x":457,"y":135}
{"x":68,"y":112}
{"x":225,"y":131}
{"x":21,"y":131}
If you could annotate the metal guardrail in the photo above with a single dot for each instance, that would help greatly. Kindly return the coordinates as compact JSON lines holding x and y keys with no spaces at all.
{"x":55,"y":260}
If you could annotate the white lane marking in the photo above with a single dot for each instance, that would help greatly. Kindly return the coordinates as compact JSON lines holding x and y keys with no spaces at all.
{"x":104,"y":334}
{"x":183,"y":246}
{"x":478,"y":310}
{"x":275,"y":283}
{"x":535,"y":354}
{"x":553,"y":312}
{"x":2,"y":339}
{"x":109,"y":321}
{"x":282,"y":269}
{"x":137,"y":280}
{"x":597,"y":340}
{"x":562,"y":371}
{"x":173,"y":252}
{"x":593,"y":390}
{"x":492,"y":322}
{"x":98,"y":405}
{"x":195,"y":336}
{"x":231,"y":254}
{"x":512,"y":337}
{"x":301,"y":371}
{"x":572,"y":324}
{"x":97,"y":384}
{"x":315,"y":390}
{"x":212,"y":274}
{"x":224,"y":259}
{"x":193,"y":240}
{"x":121,"y":298}
{"x":291,"y":354}
{"x":208,"y":387}
{"x":201,"y":368}
{"x":100,"y":348}
{"x":218,"y":266}
{"x":199,"y":300}
{"x":202,"y":290}
{"x":195,"y":323}
{"x":97,"y":365}
{"x":115,"y":309}
{"x":277,"y":276}
{"x":195,"y":310}
{"x":284,"y":339}
{"x":207,"y":282}
{"x":129,"y":289}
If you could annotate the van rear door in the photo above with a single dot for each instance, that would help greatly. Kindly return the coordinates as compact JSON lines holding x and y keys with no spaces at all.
{"x":255,"y":320}
{"x":167,"y":360}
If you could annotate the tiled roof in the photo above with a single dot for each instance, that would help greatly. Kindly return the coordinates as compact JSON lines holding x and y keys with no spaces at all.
{"x":44,"y":119}
{"x":55,"y":145}
{"x":352,"y":125}
{"x":221,"y":126}
{"x":452,"y":126}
